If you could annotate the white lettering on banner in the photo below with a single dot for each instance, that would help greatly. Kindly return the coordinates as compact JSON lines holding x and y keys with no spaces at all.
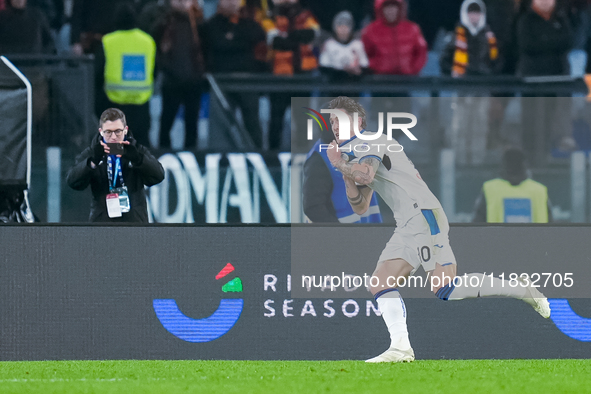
{"x":285,"y":160}
{"x":369,"y":307}
{"x":268,"y":307}
{"x":174,"y":170}
{"x":204,"y":186}
{"x":247,"y":172}
{"x":355,"y":308}
{"x":308,"y":309}
{"x":349,"y":308}
{"x":270,"y":281}
{"x":242,"y":199}
{"x":287,"y":308}
{"x":277,"y":204}
{"x":329,"y":308}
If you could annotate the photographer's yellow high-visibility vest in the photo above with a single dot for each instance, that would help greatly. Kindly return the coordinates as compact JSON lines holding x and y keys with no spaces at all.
{"x":524,"y":203}
{"x":129,"y":66}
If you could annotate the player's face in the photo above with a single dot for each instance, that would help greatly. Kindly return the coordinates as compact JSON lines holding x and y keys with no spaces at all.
{"x":334,"y":123}
{"x":113,"y":131}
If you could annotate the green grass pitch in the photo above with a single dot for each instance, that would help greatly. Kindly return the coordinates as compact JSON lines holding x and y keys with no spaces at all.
{"x":423,"y":376}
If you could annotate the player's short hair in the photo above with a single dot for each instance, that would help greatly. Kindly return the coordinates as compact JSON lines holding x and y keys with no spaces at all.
{"x":112,"y":115}
{"x":350,"y":106}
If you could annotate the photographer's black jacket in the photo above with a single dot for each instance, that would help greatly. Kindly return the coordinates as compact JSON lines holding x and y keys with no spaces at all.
{"x":149,"y":172}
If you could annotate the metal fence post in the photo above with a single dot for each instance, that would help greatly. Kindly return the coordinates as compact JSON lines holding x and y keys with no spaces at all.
{"x":447,"y":168}
{"x":578,"y":187}
{"x":54,"y":185}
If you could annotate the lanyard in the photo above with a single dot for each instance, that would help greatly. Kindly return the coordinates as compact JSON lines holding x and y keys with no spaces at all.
{"x":117,"y":172}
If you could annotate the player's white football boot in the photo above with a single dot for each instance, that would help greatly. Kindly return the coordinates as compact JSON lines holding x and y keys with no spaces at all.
{"x":536,"y":299}
{"x":393,"y":355}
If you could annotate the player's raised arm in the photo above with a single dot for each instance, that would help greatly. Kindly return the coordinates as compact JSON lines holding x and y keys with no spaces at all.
{"x":359,"y":197}
{"x":361,"y":172}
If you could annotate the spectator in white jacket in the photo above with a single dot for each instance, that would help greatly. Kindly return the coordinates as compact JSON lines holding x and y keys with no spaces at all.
{"x":343,"y":57}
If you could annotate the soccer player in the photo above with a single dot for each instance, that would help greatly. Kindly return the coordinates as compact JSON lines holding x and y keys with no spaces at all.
{"x":421,"y":235}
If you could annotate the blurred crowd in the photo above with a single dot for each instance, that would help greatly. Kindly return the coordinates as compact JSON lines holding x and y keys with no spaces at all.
{"x":527,"y":37}
{"x":343,"y":40}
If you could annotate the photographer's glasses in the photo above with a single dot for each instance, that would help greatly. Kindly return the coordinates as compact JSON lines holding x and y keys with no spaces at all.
{"x":117,"y":132}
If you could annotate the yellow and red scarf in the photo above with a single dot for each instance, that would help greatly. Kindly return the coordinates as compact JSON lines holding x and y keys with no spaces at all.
{"x":283,"y":61}
{"x":461,"y":60}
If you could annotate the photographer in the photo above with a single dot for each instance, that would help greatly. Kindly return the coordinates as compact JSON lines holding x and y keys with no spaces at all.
{"x":117,"y":178}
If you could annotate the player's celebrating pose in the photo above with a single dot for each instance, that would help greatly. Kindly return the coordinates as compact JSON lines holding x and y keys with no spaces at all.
{"x":421,"y":235}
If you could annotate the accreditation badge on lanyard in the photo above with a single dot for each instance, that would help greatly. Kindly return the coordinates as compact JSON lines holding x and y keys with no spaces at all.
{"x":118,"y":198}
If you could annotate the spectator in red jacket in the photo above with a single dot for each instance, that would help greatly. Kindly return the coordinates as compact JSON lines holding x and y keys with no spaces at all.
{"x":394,"y":45}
